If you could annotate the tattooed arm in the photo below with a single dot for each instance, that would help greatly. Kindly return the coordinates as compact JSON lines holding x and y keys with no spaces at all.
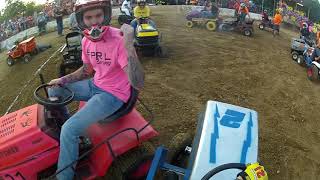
{"x":133,"y":68}
{"x":82,"y":73}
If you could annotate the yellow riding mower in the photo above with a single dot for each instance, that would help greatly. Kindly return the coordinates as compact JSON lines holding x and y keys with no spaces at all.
{"x":147,"y":39}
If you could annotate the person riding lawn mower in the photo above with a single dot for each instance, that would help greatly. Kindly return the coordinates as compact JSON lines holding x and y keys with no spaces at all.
{"x":243,"y":11}
{"x":103,"y":52}
{"x":208,"y":17}
{"x":126,"y":13}
{"x":239,"y":23}
{"x":266,"y":22}
{"x":313,"y":71}
{"x":305,"y":34}
{"x":142,"y":11}
{"x":147,"y":37}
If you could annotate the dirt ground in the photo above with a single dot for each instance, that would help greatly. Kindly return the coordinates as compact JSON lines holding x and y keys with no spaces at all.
{"x":256,"y":72}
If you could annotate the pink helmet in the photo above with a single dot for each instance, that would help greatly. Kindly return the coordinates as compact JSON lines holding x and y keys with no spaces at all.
{"x":93,"y":33}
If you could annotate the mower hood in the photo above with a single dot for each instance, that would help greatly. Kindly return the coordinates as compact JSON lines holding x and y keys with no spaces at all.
{"x":21,"y":137}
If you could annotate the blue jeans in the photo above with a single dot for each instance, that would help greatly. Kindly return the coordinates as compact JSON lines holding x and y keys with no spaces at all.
{"x":134,"y":24}
{"x":100,"y":104}
{"x":59,"y":25}
{"x":308,"y":60}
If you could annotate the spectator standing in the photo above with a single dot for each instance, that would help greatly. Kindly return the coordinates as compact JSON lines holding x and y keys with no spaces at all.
{"x":73,"y":20}
{"x":58,"y":15}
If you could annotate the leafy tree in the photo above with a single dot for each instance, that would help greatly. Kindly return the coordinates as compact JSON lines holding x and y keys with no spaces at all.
{"x":14,"y":8}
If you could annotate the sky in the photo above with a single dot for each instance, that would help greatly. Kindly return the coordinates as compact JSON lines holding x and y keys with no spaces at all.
{"x":3,"y":3}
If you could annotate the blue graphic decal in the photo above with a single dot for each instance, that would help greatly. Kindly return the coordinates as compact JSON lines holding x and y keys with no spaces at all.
{"x":247,"y":142}
{"x":214,"y":137}
{"x":232,"y":119}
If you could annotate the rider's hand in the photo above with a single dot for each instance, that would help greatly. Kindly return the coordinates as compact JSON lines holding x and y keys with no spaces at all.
{"x":56,"y":82}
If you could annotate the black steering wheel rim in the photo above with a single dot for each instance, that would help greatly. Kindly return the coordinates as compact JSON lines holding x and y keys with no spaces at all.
{"x":223,"y":167}
{"x":46,"y":102}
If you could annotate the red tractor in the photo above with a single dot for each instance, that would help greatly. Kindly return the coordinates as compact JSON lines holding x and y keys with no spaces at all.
{"x":23,"y":51}
{"x":29,"y":141}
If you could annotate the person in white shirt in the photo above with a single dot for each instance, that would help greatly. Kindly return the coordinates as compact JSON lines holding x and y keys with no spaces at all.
{"x":126,"y":7}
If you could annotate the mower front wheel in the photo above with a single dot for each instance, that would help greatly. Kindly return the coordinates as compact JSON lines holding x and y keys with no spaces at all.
{"x":261,"y":26}
{"x":26,"y":58}
{"x":189,"y":24}
{"x":179,"y":152}
{"x":294,"y":55}
{"x":10,"y":61}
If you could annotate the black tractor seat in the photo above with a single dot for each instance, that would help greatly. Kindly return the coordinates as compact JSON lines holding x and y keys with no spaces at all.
{"x":125,"y":109}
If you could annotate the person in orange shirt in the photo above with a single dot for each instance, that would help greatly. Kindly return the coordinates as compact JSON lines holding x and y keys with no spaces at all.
{"x":243,"y":12}
{"x":276,"y":22}
{"x":318,"y":36}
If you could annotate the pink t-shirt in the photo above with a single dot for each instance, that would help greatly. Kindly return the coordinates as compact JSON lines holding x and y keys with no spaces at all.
{"x":108,"y":57}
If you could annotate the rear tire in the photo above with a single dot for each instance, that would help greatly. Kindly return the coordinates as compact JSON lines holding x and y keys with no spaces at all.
{"x":300,"y":60}
{"x":294,"y":55}
{"x":314,"y":73}
{"x":161,"y":52}
{"x":225,"y":27}
{"x":211,"y":26}
{"x":247,"y":32}
{"x":26,"y":58}
{"x":10,"y":61}
{"x":35,"y":51}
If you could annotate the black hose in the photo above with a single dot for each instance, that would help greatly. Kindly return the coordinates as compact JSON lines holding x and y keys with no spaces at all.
{"x":222,"y":168}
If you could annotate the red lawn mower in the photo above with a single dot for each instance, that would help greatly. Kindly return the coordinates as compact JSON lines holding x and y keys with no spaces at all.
{"x":29,"y":142}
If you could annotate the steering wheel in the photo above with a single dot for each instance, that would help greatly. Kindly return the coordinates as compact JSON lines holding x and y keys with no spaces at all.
{"x":223,"y":167}
{"x":143,"y":20}
{"x":52,"y":103}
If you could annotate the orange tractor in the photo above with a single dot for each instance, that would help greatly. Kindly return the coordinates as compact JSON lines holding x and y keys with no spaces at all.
{"x":22,"y":51}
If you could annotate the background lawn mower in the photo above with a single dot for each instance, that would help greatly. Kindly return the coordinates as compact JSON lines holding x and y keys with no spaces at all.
{"x":22,"y":51}
{"x":300,"y":48}
{"x":233,"y":24}
{"x":71,"y":53}
{"x":147,"y":39}
{"x":124,"y":18}
{"x":265,"y":24}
